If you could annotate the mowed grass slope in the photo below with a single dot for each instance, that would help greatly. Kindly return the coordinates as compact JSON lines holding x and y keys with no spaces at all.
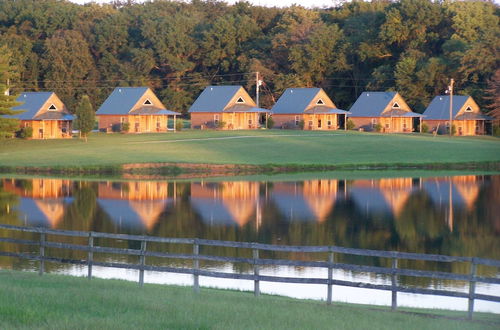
{"x":62,"y":302}
{"x":251,"y":147}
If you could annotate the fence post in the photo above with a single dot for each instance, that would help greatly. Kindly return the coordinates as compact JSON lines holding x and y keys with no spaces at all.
{"x":330,"y":277}
{"x":256,"y":286}
{"x":142,"y":261}
{"x":472,"y":287}
{"x":196,"y":266}
{"x":90,"y":257}
{"x":41,"y":270}
{"x":394,"y":301}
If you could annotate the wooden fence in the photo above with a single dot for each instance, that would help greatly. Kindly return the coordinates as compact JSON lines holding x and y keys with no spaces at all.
{"x":330,"y":264}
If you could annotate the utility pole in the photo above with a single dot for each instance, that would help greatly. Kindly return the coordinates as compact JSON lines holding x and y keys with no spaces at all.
{"x":7,"y":91}
{"x":257,"y":85}
{"x":450,"y":89}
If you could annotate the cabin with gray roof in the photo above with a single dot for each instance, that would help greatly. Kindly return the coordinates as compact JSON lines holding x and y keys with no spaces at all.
{"x":466,"y":115}
{"x":226,"y":107}
{"x":137,"y":106}
{"x":385,"y":111}
{"x":308,"y":109}
{"x":45,"y":113}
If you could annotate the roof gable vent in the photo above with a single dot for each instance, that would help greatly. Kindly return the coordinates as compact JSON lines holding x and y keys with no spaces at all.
{"x":395,"y":105}
{"x":52,"y":107}
{"x":240,"y":100}
{"x":147,"y":102}
{"x":468,"y":109}
{"x":320,"y":102}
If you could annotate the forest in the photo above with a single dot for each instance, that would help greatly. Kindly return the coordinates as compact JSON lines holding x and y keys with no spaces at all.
{"x":178,"y":48}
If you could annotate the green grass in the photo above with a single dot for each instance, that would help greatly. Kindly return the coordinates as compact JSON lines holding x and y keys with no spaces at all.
{"x":63,"y":302}
{"x":260,"y":147}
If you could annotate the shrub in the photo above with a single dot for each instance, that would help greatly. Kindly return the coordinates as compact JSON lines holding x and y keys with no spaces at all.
{"x":378,"y":127}
{"x":350,"y":124}
{"x":220,"y":124}
{"x":125,"y":127}
{"x":301,"y":124}
{"x":425,"y":128}
{"x":270,"y":122}
{"x":179,"y":125}
{"x":496,"y":131}
{"x":25,"y":132}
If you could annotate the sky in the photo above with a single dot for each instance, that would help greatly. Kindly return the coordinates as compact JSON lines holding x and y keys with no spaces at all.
{"x":270,"y":3}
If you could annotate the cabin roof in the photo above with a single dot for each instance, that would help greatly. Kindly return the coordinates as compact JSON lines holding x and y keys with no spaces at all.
{"x":297,"y":100}
{"x":439,"y":108}
{"x":214,"y":98}
{"x":122,"y":100}
{"x":371,"y":104}
{"x":32,"y":102}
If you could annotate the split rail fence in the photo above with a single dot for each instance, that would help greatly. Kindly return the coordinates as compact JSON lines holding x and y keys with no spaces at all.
{"x":257,"y":262}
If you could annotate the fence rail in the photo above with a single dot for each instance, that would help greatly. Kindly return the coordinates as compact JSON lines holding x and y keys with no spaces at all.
{"x":256,"y":262}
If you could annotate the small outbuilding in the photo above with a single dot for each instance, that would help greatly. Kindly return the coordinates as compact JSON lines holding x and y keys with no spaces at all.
{"x":45,"y":113}
{"x":137,"y":106}
{"x":309,"y":109}
{"x":226,"y":107}
{"x":387,"y":111}
{"x":466,"y":115}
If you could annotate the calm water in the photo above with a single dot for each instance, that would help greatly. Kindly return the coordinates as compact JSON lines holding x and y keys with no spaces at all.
{"x":455,"y":215}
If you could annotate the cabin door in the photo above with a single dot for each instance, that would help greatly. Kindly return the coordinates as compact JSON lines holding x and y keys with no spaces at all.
{"x":319,"y":123}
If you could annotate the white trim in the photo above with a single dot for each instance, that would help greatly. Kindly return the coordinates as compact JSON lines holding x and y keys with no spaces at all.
{"x":240,"y":100}
{"x":52,"y":107}
{"x":468,"y":109}
{"x":396,"y":105}
{"x":320,"y":102}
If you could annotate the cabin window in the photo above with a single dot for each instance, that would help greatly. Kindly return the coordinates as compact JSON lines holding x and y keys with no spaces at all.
{"x":329,"y":123}
{"x":52,"y":107}
{"x":310,"y":123}
{"x":147,"y":102}
{"x":240,"y":100}
{"x":297,"y":120}
{"x":468,"y":109}
{"x":374,"y":122}
{"x":216,"y":119}
{"x":122,"y":120}
{"x":404,"y":125}
{"x":395,"y":105}
{"x":250,"y":122}
{"x":387,"y":125}
{"x":320,"y":102}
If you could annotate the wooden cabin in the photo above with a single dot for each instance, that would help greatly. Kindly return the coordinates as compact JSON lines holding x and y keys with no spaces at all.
{"x":45,"y":113}
{"x":387,"y":110}
{"x":226,"y":107}
{"x":466,"y":115}
{"x":309,"y":109}
{"x":137,"y":106}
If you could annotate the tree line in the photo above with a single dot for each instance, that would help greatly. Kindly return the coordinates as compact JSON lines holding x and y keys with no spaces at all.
{"x":178,"y":48}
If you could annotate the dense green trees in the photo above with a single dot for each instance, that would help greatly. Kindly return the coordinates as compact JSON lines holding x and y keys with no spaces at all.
{"x":8,"y":126}
{"x":177,"y":48}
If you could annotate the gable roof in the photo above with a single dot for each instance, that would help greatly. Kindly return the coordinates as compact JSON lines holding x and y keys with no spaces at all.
{"x":32,"y":102}
{"x":214,"y":98}
{"x":296,"y":101}
{"x":122,"y":100}
{"x":371,"y":104}
{"x":439,"y":108}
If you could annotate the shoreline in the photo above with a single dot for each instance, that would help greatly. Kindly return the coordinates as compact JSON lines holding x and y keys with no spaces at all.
{"x":191,"y":170}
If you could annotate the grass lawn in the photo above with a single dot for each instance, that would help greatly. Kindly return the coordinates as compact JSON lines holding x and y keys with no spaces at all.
{"x":63,"y":302}
{"x":279,"y":147}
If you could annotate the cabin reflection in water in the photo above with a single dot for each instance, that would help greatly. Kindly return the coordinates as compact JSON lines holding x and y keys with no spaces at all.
{"x":382,"y":196}
{"x":227,"y":203}
{"x":42,"y":202}
{"x":135,"y":204}
{"x":311,"y":200}
{"x":138,"y":205}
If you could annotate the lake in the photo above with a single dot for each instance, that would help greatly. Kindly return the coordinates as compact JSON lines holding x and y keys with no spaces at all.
{"x":457,"y":215}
